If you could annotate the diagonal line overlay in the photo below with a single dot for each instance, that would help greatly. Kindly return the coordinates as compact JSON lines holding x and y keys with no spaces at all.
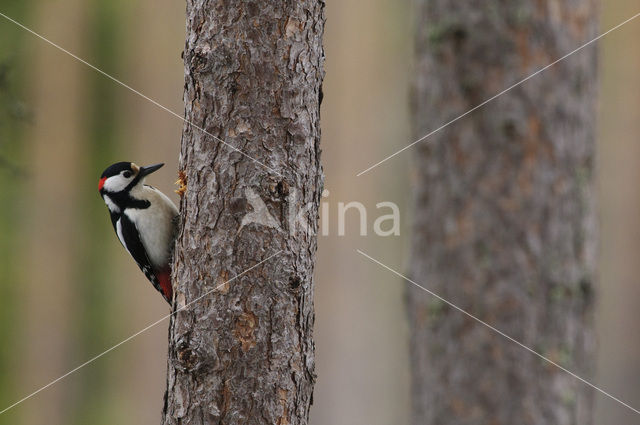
{"x":491,"y":99}
{"x":142,"y":95}
{"x":124,"y":341}
{"x":499,"y":332}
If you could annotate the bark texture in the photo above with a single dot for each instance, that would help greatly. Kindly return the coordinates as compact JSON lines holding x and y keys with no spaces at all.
{"x":504,"y":215}
{"x":244,"y":354}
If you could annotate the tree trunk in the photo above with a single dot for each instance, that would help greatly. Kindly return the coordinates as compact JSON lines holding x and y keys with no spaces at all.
{"x":244,"y":353}
{"x":504,"y":216}
{"x":50,"y":210}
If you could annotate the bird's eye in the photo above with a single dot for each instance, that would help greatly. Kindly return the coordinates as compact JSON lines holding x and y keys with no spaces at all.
{"x":127,"y":174}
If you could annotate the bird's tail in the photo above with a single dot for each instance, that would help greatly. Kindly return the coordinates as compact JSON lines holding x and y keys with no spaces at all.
{"x":164,"y":279}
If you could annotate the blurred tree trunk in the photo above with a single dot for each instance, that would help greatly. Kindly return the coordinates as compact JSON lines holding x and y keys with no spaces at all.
{"x":504,"y":216}
{"x":55,"y":154}
{"x":244,"y":353}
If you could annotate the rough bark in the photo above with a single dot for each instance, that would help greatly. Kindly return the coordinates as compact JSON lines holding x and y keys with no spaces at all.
{"x":504,"y":216}
{"x":244,"y":353}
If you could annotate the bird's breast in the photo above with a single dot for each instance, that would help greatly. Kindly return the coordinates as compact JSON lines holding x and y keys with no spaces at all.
{"x":155,"y":228}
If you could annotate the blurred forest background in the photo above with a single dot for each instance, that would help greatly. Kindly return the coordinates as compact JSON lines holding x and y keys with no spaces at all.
{"x":69,"y":291}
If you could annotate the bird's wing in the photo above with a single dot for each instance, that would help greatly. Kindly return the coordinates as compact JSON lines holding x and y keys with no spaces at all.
{"x":130,"y":239}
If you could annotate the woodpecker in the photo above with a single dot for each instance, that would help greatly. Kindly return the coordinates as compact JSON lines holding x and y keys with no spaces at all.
{"x":145,"y":220}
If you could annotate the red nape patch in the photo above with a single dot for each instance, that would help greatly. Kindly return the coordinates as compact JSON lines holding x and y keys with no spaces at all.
{"x":102,"y":180}
{"x":164,"y":279}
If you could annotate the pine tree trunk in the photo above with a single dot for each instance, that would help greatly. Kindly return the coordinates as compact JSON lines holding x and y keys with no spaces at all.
{"x":244,"y":353}
{"x":504,"y":215}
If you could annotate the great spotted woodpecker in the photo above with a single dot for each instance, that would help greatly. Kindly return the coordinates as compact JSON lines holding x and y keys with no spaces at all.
{"x":144,"y":219}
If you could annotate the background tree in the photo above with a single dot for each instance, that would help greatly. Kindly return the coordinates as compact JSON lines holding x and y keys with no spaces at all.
{"x":244,"y":353}
{"x":504,"y":217}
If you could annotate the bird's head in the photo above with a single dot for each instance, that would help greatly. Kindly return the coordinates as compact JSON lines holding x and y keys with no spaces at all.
{"x":121,"y":177}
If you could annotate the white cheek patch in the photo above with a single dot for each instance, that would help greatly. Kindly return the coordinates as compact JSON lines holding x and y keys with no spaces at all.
{"x":115,"y":183}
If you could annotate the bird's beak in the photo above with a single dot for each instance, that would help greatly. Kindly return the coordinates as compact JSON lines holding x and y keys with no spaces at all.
{"x":145,"y":171}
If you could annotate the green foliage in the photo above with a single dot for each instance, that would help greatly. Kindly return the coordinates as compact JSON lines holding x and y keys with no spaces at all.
{"x":14,"y":116}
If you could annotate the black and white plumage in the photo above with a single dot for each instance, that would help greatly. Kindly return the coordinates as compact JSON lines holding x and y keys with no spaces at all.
{"x":145,"y":220}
